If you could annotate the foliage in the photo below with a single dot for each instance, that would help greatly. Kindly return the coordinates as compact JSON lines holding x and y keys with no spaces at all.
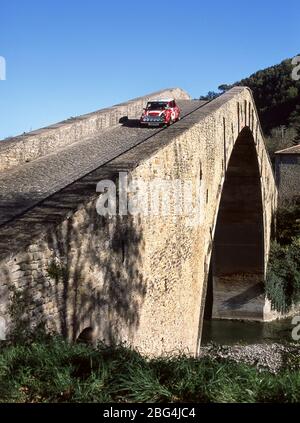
{"x":17,"y":309}
{"x":288,"y":222}
{"x":53,"y":370}
{"x":277,"y":97}
{"x":56,"y":271}
{"x":283,"y":275}
{"x":209,"y":96}
{"x":20,"y":329}
{"x":295,"y":123}
{"x":279,"y":139}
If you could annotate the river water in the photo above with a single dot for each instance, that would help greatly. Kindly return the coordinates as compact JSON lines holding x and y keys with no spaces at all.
{"x":230,"y":332}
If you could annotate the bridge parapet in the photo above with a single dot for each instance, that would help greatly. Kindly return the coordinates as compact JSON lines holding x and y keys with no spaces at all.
{"x":30,"y":146}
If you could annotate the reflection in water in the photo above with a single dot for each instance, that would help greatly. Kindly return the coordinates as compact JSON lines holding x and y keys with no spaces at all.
{"x":229,"y":332}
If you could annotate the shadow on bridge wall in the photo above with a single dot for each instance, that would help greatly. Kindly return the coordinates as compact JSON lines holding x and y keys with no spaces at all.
{"x":85,"y":272}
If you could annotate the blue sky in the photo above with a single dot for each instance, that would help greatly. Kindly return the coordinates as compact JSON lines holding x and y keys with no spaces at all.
{"x":69,"y":57}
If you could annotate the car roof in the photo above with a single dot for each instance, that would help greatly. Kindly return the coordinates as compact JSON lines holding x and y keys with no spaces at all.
{"x":162,"y":99}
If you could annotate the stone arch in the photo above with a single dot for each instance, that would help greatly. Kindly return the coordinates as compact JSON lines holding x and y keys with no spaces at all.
{"x":235,"y":281}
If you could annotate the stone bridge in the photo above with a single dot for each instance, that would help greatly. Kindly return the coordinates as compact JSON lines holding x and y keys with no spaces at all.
{"x":144,"y":278}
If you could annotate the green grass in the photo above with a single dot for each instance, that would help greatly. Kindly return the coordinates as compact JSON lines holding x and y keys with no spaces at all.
{"x":52,"y":370}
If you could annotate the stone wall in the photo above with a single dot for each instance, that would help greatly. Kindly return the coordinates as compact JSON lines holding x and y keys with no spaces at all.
{"x":30,"y":146}
{"x":141,"y":279}
{"x":288,"y":176}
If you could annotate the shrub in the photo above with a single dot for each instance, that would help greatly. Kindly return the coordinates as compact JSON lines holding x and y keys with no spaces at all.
{"x":288,"y":222}
{"x":283,"y":275}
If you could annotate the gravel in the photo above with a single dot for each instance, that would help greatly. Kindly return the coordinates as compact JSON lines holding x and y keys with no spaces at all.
{"x":263,"y":356}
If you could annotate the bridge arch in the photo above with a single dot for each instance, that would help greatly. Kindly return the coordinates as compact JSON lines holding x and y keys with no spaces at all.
{"x":237,"y":264}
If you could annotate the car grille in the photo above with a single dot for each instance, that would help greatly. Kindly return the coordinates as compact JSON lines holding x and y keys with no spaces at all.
{"x":154,"y":118}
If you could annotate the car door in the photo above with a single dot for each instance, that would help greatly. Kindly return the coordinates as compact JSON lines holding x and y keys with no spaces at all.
{"x":173,"y":110}
{"x":177,"y":110}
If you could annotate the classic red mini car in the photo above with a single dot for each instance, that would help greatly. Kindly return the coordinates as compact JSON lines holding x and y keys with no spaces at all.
{"x":160,"y":112}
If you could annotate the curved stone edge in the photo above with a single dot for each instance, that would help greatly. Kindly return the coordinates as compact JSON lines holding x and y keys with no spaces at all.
{"x":21,"y":149}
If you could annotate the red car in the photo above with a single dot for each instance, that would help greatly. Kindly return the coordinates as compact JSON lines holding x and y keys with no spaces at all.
{"x":160,"y":112}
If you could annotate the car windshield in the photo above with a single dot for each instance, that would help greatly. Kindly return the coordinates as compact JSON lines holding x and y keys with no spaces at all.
{"x":156,"y":105}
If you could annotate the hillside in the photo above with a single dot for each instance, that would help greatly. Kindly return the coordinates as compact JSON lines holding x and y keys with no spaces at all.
{"x":277,"y":97}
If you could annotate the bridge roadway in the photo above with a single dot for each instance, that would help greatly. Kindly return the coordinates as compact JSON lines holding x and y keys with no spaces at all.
{"x":25,"y":187}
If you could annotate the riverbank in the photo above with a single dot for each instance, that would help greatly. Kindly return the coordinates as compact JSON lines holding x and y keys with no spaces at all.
{"x":271,"y":357}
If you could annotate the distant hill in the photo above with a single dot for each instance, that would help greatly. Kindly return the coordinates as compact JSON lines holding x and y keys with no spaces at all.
{"x":277,"y":97}
{"x":276,"y":94}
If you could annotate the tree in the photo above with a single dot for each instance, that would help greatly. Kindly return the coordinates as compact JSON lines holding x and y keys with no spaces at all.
{"x":295,"y":122}
{"x":209,"y":96}
{"x":296,"y":140}
{"x":224,"y":87}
